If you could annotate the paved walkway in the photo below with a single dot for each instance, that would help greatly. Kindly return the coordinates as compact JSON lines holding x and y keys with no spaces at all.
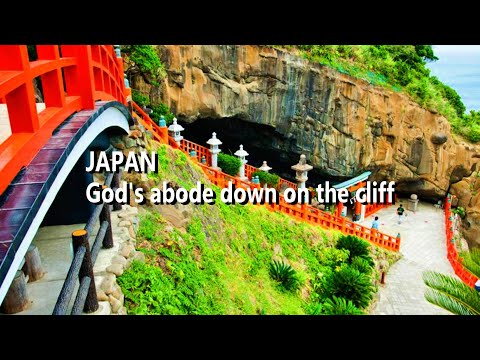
{"x":423,"y":248}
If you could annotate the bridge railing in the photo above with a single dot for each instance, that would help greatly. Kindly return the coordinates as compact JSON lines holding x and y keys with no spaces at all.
{"x":452,"y":254}
{"x":84,"y":258}
{"x":72,"y":78}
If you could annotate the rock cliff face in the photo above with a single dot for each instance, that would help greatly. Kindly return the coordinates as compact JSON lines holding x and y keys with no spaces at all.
{"x":344,"y":125}
{"x":467,"y":192}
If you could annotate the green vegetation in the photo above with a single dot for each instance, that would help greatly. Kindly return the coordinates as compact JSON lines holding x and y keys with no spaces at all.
{"x":452,"y":294}
{"x":270,"y":179}
{"x":157,"y":110}
{"x":469,"y":126}
{"x":460,"y":211}
{"x":345,"y":282}
{"x":337,"y":306}
{"x":285,"y":275}
{"x":144,"y":58}
{"x":232,"y":259}
{"x":229,"y":164}
{"x":357,"y":248}
{"x":399,"y":68}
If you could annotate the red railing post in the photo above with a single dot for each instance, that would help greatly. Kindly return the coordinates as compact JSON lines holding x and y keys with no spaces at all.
{"x":22,"y":109}
{"x":79,"y":79}
{"x":52,"y":82}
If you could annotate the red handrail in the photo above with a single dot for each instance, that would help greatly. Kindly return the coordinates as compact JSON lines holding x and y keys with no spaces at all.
{"x":73,"y":77}
{"x":452,"y":255}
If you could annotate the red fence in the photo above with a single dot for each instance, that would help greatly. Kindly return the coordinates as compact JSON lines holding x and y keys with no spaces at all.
{"x":72,"y":78}
{"x":455,"y":260}
{"x":200,"y":150}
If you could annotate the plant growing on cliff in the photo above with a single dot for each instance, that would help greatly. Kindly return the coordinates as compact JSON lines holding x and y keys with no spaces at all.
{"x":460,"y":211}
{"x":144,"y":59}
{"x":229,"y":164}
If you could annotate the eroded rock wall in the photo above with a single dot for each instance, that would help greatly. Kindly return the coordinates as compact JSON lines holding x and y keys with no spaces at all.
{"x":343,"y":125}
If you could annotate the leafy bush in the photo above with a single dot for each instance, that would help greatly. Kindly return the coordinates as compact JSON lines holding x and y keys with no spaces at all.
{"x":356,"y":247}
{"x":159,"y":110}
{"x":285,"y":275}
{"x":460,"y":211}
{"x":145,"y":59}
{"x":350,"y":284}
{"x":362,"y":265}
{"x":139,"y":98}
{"x":332,"y":257}
{"x":270,"y":179}
{"x":229,"y":164}
{"x":337,"y":306}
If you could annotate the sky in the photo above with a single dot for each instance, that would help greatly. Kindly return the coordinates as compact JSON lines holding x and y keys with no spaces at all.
{"x":459,"y":67}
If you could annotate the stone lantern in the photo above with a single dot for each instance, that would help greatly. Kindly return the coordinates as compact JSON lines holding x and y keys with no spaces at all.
{"x":174,"y":131}
{"x":214,"y":142}
{"x":302,"y":168}
{"x":242,"y":154}
{"x":265,"y":167}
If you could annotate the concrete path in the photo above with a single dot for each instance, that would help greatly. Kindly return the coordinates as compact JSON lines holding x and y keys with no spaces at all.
{"x":423,"y":248}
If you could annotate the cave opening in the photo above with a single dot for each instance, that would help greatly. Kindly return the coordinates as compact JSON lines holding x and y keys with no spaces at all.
{"x":261,"y":141}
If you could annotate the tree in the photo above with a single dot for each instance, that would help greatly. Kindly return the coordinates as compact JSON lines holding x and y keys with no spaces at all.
{"x":452,"y":294}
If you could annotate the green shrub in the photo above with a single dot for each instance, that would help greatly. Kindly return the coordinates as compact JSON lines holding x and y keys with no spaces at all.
{"x":285,"y":275}
{"x":350,"y":284}
{"x":356,"y":247}
{"x":362,"y":265}
{"x":159,"y":110}
{"x":460,"y":211}
{"x":332,"y":257}
{"x":139,"y":98}
{"x":270,"y":179}
{"x":229,"y":164}
{"x":145,"y":59}
{"x":337,"y":306}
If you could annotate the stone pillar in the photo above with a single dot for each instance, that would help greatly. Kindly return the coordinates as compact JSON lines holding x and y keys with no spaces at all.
{"x":214,"y":142}
{"x":242,"y":154}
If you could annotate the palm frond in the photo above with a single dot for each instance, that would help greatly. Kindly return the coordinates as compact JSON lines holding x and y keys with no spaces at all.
{"x":451,"y":294}
{"x":471,"y":261}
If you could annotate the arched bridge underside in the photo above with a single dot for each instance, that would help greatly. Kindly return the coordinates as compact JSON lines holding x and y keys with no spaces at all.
{"x":28,"y":198}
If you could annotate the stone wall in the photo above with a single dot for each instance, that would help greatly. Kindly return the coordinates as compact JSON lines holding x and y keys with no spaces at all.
{"x":112,"y":262}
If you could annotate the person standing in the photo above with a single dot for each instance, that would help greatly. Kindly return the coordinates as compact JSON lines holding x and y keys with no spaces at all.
{"x":375,"y":223}
{"x":400,"y":211}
